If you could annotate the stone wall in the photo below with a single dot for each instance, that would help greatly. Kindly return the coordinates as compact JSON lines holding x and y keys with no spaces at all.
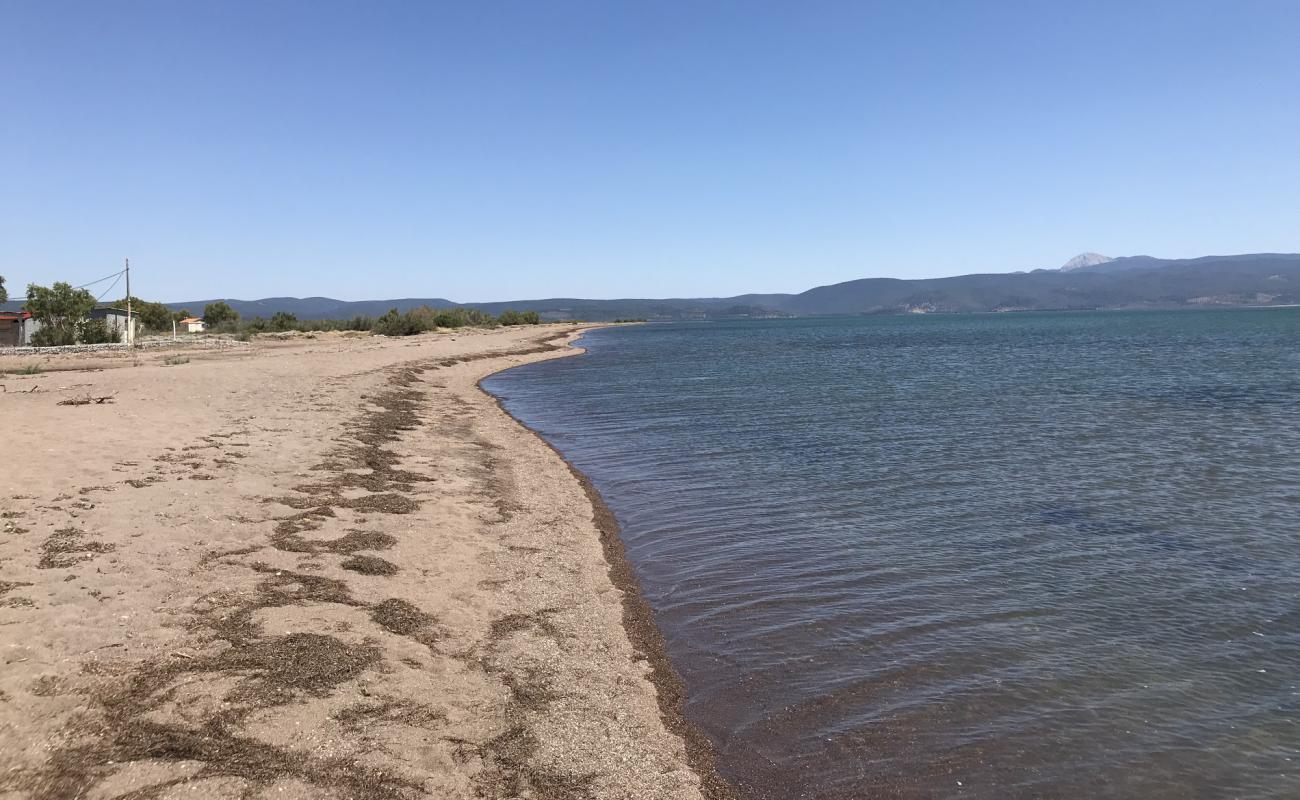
{"x":149,"y":344}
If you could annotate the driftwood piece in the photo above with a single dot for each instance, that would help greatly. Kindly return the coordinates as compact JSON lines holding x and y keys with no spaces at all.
{"x":87,"y":400}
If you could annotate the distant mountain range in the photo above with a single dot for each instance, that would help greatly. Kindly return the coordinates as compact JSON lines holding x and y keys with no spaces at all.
{"x":1088,"y":281}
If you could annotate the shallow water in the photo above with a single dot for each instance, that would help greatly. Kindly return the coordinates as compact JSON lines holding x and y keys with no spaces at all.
{"x":987,"y":556}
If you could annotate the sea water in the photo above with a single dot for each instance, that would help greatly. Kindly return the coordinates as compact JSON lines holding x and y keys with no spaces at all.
{"x":986,"y":556}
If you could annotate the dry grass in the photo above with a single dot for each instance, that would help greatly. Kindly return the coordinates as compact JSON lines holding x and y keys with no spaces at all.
{"x":8,"y":586}
{"x":270,"y":671}
{"x":358,"y":717}
{"x":404,"y":619}
{"x":369,"y":565}
{"x":511,"y":773}
{"x":68,"y":547}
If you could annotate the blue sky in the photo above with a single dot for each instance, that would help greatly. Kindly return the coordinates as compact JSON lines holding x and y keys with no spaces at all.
{"x":488,"y":150}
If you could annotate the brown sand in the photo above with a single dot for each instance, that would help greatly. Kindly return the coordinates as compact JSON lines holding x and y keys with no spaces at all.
{"x":328,"y":567}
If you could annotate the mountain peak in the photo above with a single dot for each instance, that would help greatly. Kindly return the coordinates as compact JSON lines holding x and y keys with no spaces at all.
{"x":1085,"y":260}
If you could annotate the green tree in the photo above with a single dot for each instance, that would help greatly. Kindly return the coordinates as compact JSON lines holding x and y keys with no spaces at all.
{"x":177,"y":316}
{"x":152,"y":316}
{"x":4,"y":296}
{"x":219,"y":313}
{"x":61,"y":310}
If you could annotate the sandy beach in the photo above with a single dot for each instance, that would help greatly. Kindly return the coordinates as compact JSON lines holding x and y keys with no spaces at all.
{"x":329,"y":566}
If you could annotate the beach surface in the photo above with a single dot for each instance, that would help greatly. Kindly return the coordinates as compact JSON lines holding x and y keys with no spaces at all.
{"x":322,"y":567}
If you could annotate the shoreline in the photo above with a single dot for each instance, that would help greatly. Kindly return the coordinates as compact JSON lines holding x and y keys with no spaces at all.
{"x":638,"y":616}
{"x":330,"y":567}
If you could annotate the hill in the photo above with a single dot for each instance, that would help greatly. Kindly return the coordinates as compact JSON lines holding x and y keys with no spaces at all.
{"x":1088,"y":281}
{"x":1133,"y":282}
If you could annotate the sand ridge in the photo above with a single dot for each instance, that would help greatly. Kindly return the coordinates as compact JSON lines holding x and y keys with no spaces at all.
{"x":331,"y":567}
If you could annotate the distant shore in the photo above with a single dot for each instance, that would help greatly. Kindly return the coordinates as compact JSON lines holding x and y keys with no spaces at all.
{"x":323,"y":567}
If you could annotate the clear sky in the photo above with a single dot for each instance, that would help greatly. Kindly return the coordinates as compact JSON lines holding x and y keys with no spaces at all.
{"x":501,"y":150}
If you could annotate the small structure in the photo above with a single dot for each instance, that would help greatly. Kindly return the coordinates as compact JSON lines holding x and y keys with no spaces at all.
{"x":115,"y":319}
{"x":192,"y":325}
{"x":12,"y":324}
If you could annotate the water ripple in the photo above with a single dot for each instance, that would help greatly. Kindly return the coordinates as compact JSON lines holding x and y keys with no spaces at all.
{"x":1039,"y":555}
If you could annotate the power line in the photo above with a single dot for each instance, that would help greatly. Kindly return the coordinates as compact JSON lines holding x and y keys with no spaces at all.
{"x":101,"y":280}
{"x":83,"y":286}
{"x":112,"y":286}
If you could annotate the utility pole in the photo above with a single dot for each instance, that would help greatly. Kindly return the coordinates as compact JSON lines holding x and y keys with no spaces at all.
{"x":130,"y":329}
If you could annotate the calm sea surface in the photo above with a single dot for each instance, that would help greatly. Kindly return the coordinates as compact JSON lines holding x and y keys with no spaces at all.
{"x":988,"y":556}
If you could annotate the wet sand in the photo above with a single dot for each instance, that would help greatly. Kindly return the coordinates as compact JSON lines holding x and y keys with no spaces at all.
{"x":324,"y":567}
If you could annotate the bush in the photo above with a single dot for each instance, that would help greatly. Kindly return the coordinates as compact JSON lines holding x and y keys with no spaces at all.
{"x":392,"y":323}
{"x":284,"y":321}
{"x":54,"y":336}
{"x":519,"y":318}
{"x":96,"y":331}
{"x":395,"y":323}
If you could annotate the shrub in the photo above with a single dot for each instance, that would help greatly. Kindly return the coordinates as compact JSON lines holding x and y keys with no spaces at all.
{"x":96,"y":331}
{"x":460,"y":318}
{"x":284,"y":321}
{"x":54,"y":336}
{"x":519,"y":318}
{"x":395,"y":323}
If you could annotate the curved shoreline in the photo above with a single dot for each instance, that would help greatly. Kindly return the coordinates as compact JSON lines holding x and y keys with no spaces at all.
{"x":349,"y":544}
{"x":638,"y":616}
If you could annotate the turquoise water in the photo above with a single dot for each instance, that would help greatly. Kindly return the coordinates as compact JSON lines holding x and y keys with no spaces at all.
{"x":987,"y":556}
